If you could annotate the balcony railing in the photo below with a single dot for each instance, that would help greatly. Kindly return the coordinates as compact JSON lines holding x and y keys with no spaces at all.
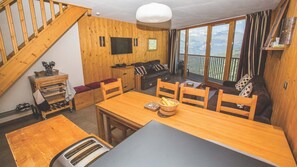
{"x":216,"y":66}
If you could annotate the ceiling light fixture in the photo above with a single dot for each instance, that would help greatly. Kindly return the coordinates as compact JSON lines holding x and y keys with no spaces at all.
{"x":153,"y":13}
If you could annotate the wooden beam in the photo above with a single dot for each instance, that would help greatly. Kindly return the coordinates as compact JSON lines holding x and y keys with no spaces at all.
{"x":26,"y":57}
{"x":23,"y":22}
{"x":4,"y":3}
{"x":52,"y":10}
{"x":43,"y":14}
{"x":33,"y":17}
{"x":215,"y":22}
{"x":207,"y":53}
{"x":11,"y":29}
{"x":229,"y":50}
{"x":61,"y":8}
{"x":2,"y":48}
{"x":186,"y":54}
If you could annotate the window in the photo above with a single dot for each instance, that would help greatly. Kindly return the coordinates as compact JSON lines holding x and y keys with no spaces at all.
{"x":182,"y":41}
{"x":197,"y":51}
{"x":237,"y":43}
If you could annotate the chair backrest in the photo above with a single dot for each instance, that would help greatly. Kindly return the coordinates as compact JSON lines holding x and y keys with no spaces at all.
{"x":169,"y":86}
{"x":111,"y":89}
{"x":251,"y":102}
{"x":194,"y":92}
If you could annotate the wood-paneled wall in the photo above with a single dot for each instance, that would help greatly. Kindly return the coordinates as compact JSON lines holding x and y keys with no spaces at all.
{"x":97,"y":61}
{"x":281,"y":67}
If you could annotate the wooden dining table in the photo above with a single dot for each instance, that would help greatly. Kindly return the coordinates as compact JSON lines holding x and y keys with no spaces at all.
{"x":260,"y":140}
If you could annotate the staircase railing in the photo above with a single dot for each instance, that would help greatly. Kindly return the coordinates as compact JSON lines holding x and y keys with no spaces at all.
{"x":6,"y":6}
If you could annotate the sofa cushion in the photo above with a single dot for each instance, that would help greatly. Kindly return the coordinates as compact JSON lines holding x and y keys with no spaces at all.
{"x":154,"y":75}
{"x":93,"y":85}
{"x":109,"y":80}
{"x":140,"y":70}
{"x":229,"y":90}
{"x":80,"y":89}
{"x":243,"y":82}
{"x":263,"y":98}
{"x":154,"y":62}
{"x":245,"y":92}
{"x":149,"y":67}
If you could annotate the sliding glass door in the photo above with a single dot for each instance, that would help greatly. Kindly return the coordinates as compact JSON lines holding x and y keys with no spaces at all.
{"x":218,"y":53}
{"x":211,"y":52}
{"x":196,"y":53}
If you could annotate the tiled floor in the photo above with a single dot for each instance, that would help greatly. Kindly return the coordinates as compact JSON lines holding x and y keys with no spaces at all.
{"x":85,"y":119}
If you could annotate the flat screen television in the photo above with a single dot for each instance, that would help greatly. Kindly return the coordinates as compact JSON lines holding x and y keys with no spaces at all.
{"x":121,"y":45}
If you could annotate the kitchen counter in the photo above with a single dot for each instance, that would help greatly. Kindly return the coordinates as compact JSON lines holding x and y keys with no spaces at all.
{"x":37,"y":144}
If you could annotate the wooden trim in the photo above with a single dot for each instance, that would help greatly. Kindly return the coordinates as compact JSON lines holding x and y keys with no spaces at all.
{"x":2,"y":48}
{"x":229,"y":50}
{"x":33,"y":17}
{"x":207,"y":53}
{"x":186,"y":54}
{"x":225,"y":21}
{"x":5,"y":3}
{"x":11,"y":29}
{"x":31,"y":52}
{"x":43,"y":14}
{"x":61,"y":8}
{"x":23,"y":22}
{"x":52,"y":10}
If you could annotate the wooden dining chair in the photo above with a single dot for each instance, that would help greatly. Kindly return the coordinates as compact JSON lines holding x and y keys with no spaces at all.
{"x":196,"y":93}
{"x":171,"y":90}
{"x":251,"y":102}
{"x":111,"y":89}
{"x":108,"y":91}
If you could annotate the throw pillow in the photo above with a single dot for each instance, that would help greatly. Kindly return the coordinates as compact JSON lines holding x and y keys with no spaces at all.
{"x":246,"y":92}
{"x":243,"y":82}
{"x":158,"y":67}
{"x":140,"y":70}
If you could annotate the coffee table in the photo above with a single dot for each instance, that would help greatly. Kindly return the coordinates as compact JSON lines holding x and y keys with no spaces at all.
{"x":195,"y":84}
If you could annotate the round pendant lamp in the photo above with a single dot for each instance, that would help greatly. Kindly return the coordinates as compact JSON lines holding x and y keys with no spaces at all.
{"x":153,"y":13}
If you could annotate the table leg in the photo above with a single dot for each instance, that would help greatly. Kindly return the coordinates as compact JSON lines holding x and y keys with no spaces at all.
{"x":108,"y":130}
{"x":100,"y":124}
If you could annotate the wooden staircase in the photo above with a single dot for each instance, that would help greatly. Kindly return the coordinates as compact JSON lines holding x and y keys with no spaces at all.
{"x":23,"y":56}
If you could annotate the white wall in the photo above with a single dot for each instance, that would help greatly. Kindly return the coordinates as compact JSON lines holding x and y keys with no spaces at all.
{"x":65,"y":52}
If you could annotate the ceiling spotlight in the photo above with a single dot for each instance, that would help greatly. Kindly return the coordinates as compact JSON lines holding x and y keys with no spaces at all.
{"x":153,"y":13}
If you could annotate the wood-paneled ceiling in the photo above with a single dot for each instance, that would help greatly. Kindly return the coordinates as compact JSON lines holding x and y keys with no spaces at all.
{"x":185,"y":12}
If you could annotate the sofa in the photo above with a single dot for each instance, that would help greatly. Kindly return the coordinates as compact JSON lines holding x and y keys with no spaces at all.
{"x":264,"y":106}
{"x":150,"y":79}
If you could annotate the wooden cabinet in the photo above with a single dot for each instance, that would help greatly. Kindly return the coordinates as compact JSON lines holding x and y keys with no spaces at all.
{"x":127,"y":76}
{"x":53,"y":89}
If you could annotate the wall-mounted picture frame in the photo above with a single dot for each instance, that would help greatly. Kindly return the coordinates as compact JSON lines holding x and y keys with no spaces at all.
{"x":152,"y":44}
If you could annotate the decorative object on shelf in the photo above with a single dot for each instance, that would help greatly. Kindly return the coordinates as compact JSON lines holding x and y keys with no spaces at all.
{"x":102,"y":41}
{"x":42,"y":73}
{"x":48,"y":67}
{"x":153,"y":13}
{"x":276,"y":24}
{"x":287,"y":30}
{"x":152,"y":44}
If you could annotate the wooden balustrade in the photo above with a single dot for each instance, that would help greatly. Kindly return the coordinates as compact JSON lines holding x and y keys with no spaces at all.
{"x":5,"y":6}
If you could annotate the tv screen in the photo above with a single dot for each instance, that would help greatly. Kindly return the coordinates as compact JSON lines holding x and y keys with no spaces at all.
{"x":121,"y":45}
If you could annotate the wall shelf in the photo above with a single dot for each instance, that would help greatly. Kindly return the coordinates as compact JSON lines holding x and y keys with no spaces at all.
{"x":274,"y":48}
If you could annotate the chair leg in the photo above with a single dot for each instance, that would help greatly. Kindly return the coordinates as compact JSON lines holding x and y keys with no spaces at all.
{"x":124,"y":134}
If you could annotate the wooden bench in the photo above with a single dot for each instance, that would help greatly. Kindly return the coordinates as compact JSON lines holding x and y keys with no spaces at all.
{"x":89,"y":94}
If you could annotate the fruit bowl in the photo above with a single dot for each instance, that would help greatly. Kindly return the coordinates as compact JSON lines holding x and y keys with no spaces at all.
{"x":168,"y":106}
